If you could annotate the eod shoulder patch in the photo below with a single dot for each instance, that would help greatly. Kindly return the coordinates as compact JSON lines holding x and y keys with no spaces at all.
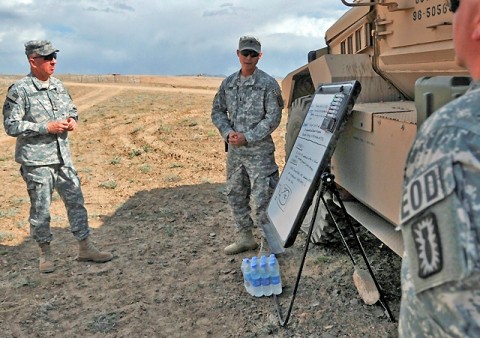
{"x":427,"y":241}
{"x":421,"y":192}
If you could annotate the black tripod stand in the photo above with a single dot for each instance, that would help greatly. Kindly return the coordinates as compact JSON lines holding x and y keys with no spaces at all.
{"x":328,"y":184}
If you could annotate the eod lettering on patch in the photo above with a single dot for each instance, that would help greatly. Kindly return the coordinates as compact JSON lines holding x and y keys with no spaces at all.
{"x":421,"y":192}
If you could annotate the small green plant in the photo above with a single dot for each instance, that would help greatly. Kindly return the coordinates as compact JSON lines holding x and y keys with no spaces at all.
{"x":169,"y":231}
{"x":8,"y":213}
{"x":21,"y":224}
{"x":127,"y":228}
{"x":136,"y":130}
{"x":20,"y":200}
{"x":206,"y":180}
{"x":163,"y":212}
{"x":85,"y":170}
{"x":172,"y":178}
{"x":145,"y":168}
{"x":176,"y":165}
{"x":164,"y":129}
{"x":212,"y":133}
{"x":322,"y":259}
{"x":26,"y":281}
{"x":104,"y":322}
{"x":110,"y":184}
{"x":116,"y":160}
{"x":191,"y":123}
{"x":6,"y":236}
{"x":134,"y":152}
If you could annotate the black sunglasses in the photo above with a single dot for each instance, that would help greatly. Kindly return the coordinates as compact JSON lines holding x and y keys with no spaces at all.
{"x":453,"y":5}
{"x":248,"y":52}
{"x":48,"y":57}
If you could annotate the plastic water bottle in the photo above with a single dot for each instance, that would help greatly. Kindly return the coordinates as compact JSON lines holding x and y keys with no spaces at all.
{"x":256,"y":278}
{"x":265,"y":275}
{"x":275,"y":278}
{"x":247,"y":275}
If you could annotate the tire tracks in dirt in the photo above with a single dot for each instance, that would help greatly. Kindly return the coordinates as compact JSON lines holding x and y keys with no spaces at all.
{"x":105,"y":91}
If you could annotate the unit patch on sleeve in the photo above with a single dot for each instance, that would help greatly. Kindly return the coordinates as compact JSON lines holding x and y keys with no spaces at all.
{"x":421,"y":192}
{"x":279,"y":97}
{"x":12,"y":97}
{"x":428,"y":244}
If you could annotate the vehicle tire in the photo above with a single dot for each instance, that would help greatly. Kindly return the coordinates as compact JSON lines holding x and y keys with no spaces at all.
{"x":296,"y":116}
{"x":303,"y":86}
{"x":324,"y":231}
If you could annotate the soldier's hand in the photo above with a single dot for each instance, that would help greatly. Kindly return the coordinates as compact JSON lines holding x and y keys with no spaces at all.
{"x":237,"y":139}
{"x":72,"y":124}
{"x":57,"y":127}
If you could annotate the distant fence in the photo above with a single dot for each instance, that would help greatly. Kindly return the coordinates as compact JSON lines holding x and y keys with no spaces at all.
{"x":106,"y":78}
{"x":6,"y":80}
{"x":148,"y":80}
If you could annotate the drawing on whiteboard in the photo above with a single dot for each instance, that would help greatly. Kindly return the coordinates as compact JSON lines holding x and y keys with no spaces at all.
{"x":284,"y":194}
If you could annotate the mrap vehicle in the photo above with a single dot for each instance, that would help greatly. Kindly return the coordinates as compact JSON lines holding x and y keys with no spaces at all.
{"x":401,"y":51}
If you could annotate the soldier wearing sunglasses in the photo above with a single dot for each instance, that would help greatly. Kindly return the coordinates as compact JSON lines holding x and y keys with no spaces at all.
{"x":246,"y":110}
{"x":39,"y":112}
{"x":441,"y":263}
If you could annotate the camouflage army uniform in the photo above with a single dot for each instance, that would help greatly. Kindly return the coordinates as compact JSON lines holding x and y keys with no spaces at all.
{"x":253,"y":108}
{"x":441,"y":224}
{"x":45,"y":158}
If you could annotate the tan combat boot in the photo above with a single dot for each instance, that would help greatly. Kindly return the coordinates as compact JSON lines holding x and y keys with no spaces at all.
{"x":46,"y":263}
{"x":245,"y":242}
{"x":88,"y":252}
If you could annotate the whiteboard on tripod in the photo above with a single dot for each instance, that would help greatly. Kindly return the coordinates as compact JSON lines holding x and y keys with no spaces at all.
{"x":309,"y":158}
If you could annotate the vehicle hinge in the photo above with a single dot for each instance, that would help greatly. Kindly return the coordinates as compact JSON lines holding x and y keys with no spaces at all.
{"x":434,"y":26}
{"x":393,"y":6}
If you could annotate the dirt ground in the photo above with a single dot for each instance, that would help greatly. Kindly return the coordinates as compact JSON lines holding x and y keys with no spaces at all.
{"x":153,"y":172}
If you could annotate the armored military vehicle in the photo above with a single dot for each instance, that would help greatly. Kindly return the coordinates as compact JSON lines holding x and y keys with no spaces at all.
{"x":401,"y":51}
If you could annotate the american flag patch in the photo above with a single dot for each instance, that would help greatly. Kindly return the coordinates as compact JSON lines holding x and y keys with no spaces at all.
{"x":12,"y":97}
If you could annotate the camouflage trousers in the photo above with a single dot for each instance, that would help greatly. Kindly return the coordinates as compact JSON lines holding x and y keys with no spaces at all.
{"x":41,"y":181}
{"x":250,"y":179}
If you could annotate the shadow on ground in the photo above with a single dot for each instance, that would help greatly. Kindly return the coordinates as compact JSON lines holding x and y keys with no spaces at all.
{"x":170,"y":278}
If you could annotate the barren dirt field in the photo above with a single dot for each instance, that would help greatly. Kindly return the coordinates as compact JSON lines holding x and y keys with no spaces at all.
{"x":153,"y":171}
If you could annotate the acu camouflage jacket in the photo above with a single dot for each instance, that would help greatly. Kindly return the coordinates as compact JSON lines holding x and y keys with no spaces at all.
{"x":26,"y":112}
{"x":253,"y":108}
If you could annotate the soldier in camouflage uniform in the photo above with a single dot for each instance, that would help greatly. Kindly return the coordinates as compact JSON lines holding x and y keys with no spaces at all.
{"x":246,"y":110}
{"x":39,"y":112}
{"x":441,"y":206}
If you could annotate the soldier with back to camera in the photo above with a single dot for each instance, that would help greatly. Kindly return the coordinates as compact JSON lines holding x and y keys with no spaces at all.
{"x":39,"y":112}
{"x":246,"y":110}
{"x":440,"y":214}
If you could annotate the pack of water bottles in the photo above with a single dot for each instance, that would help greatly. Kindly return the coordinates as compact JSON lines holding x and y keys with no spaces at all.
{"x":261,"y":276}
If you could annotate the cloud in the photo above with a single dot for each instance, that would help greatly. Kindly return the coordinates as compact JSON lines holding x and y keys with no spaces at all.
{"x":300,"y":26}
{"x":166,"y":37}
{"x":225,"y":9}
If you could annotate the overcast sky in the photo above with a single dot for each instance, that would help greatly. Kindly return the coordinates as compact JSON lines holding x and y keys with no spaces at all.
{"x":163,"y":37}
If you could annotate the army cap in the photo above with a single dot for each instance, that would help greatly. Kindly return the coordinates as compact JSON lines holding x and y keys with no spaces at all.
{"x":249,"y":43}
{"x":40,"y":47}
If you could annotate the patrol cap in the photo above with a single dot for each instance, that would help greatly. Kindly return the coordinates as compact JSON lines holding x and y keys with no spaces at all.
{"x":249,"y":43}
{"x":40,"y":47}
